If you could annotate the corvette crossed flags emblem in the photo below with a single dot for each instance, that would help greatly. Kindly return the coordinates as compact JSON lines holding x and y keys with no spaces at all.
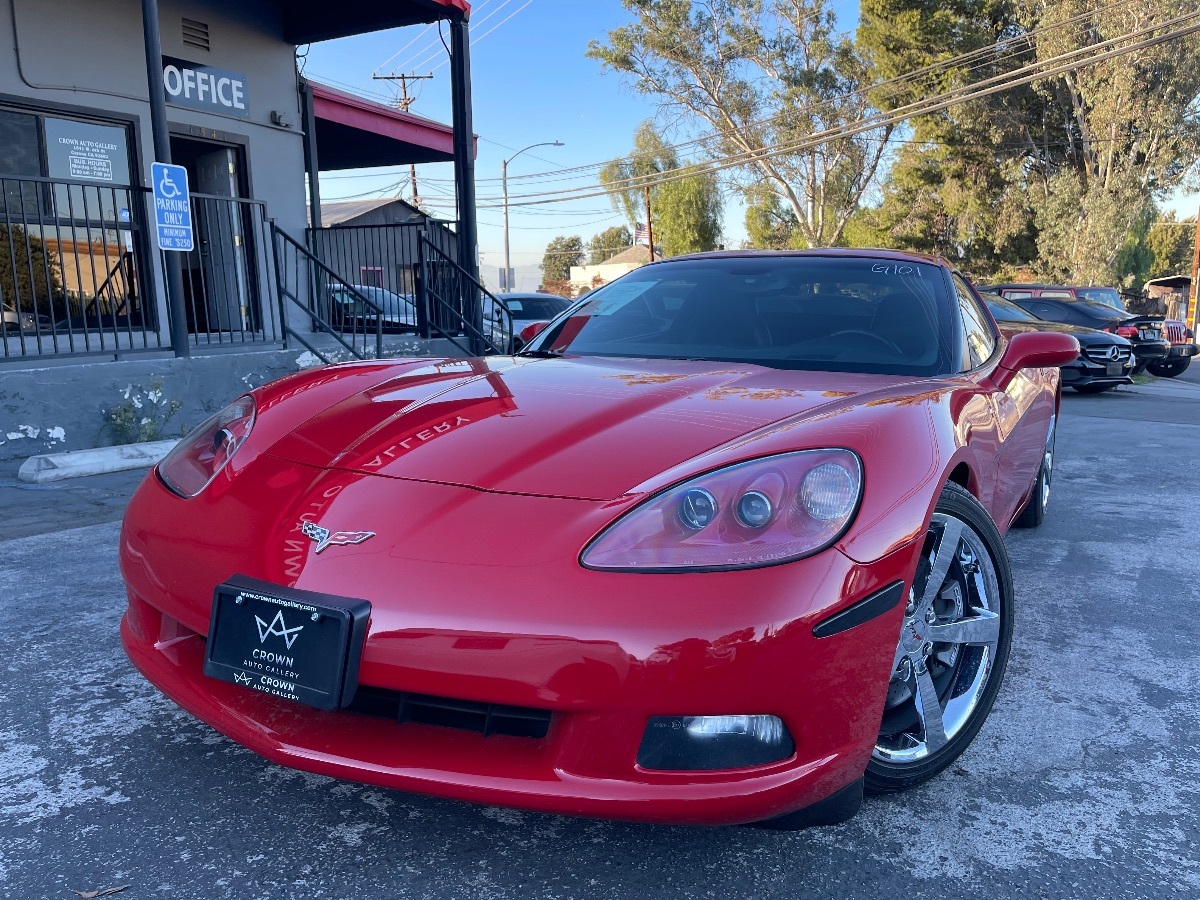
{"x":325,"y":538}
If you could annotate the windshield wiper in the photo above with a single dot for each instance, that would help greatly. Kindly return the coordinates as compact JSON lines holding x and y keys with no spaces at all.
{"x":542,"y":354}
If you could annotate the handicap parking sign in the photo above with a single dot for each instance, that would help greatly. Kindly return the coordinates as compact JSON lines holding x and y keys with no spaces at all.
{"x":172,"y":207}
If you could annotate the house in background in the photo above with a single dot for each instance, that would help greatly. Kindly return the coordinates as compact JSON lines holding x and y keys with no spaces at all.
{"x":376,"y":243}
{"x":591,"y":277}
{"x":381,"y":211}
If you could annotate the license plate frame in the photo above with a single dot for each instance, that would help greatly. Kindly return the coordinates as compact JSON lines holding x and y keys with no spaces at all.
{"x":302,"y":646}
{"x":1115,"y":368}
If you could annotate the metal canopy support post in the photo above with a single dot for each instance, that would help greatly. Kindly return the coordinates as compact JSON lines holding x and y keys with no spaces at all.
{"x":464,"y":166}
{"x":310,"y":155}
{"x":1193,"y":312}
{"x":162,"y":153}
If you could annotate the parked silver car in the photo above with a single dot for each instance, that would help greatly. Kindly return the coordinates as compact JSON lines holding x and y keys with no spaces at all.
{"x":350,"y":313}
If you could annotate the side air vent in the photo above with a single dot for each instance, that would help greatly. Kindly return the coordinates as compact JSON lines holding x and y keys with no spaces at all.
{"x":195,"y":34}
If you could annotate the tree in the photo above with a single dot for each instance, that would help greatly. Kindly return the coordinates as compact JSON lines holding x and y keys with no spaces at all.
{"x":1169,"y":242}
{"x":562,"y":253}
{"x":29,"y":277}
{"x":760,"y":74}
{"x":1062,"y":174}
{"x":685,"y":210}
{"x":608,"y":243}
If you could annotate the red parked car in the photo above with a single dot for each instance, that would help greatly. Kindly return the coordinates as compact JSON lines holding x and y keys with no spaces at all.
{"x":722,"y":545}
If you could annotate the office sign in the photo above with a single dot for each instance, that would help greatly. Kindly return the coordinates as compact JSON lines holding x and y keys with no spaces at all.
{"x":172,"y":207}
{"x":207,"y":88}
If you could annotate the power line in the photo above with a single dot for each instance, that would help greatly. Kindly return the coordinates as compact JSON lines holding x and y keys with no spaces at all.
{"x":1005,"y":48}
{"x":486,"y":33}
{"x":925,"y":106}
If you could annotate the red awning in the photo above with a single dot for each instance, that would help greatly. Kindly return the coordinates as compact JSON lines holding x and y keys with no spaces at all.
{"x":305,"y":21}
{"x":356,"y":133}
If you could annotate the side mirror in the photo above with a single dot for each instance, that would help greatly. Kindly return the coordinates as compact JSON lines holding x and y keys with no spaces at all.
{"x":1039,"y":350}
{"x":529,"y":332}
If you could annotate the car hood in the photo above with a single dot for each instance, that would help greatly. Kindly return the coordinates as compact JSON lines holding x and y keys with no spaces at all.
{"x":581,"y":428}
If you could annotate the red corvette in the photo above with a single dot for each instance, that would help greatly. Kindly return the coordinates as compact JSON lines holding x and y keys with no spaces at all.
{"x":723,"y":545}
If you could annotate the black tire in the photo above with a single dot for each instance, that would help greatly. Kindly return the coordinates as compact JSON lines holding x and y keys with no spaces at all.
{"x":1169,"y":369}
{"x":1095,"y":388}
{"x":977,"y":661}
{"x":1139,"y":368}
{"x":1034,"y":512}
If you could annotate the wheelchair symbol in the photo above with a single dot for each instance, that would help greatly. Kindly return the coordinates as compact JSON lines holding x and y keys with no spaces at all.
{"x":167,"y":187}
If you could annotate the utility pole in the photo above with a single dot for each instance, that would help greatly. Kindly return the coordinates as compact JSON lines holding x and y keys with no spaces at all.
{"x":649,"y":224}
{"x":1192,"y":318}
{"x":404,"y":103}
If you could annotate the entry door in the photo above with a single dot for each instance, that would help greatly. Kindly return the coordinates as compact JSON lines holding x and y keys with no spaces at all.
{"x":222,"y":242}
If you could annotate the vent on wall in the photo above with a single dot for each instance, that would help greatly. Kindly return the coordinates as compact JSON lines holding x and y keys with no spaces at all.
{"x":195,"y":34}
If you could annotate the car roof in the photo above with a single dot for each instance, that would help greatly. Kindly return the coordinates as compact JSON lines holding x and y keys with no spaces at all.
{"x":843,"y":252}
{"x":1049,"y":287}
{"x":530,"y":295}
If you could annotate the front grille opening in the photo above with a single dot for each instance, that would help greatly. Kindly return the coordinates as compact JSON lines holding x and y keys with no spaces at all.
{"x":195,"y":34}
{"x":464,"y":715}
{"x":1100,"y":354}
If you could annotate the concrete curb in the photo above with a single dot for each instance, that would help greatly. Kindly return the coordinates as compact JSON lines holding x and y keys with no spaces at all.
{"x":78,"y":463}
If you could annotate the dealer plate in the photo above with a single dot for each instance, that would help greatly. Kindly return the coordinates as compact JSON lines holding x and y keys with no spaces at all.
{"x":299,"y":645}
{"x":1115,"y":368}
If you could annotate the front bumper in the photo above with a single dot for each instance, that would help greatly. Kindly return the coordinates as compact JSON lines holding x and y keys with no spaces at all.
{"x":602,"y":652}
{"x":1085,"y":372}
{"x":1151,"y":351}
{"x":1184,"y":351}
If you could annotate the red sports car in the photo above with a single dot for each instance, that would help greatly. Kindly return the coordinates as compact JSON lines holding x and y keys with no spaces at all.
{"x":721,"y":546}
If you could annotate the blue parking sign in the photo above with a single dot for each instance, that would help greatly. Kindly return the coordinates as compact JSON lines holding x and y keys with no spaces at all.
{"x":172,"y":207}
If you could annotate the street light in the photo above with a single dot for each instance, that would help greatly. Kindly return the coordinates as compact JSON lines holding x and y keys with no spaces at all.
{"x":504,"y":186}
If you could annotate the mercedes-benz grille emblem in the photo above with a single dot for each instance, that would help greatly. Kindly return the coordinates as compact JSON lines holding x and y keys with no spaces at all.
{"x":1113,"y":352}
{"x":325,"y":538}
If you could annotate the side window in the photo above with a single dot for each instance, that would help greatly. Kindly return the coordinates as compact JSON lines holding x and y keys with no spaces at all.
{"x":1016,"y":295}
{"x":977,"y":330}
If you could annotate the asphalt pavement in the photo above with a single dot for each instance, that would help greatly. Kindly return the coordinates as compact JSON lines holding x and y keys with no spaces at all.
{"x":1083,"y":783}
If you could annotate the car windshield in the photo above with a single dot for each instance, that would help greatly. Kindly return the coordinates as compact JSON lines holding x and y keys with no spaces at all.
{"x":533,"y":308}
{"x":839,"y":314}
{"x":1006,"y":311}
{"x":1107,"y":296}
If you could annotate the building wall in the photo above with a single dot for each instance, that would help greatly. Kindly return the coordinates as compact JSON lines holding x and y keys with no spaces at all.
{"x":90,"y":54}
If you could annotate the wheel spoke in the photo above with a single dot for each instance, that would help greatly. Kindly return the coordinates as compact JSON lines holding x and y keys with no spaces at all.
{"x":981,"y":628}
{"x":929,"y":710}
{"x":943,"y":556}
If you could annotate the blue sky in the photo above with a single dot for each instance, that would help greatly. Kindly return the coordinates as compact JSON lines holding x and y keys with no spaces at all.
{"x":532,"y":83}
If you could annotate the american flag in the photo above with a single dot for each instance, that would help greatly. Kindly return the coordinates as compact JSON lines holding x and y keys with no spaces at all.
{"x":641,"y":233}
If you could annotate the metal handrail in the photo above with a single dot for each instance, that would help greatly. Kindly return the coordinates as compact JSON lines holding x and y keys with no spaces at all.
{"x":310,"y":309}
{"x":480,"y":343}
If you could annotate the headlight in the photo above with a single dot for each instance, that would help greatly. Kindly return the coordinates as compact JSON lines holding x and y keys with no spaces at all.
{"x":199,"y":458}
{"x":755,"y":513}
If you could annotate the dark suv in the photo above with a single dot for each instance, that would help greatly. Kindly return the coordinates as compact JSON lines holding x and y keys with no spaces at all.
{"x":1105,"y":360}
{"x":1091,"y":307}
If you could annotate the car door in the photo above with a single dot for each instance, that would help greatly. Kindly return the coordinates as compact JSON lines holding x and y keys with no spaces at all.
{"x":1019,"y":447}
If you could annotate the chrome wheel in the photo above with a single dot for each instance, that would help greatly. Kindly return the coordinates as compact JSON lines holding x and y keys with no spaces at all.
{"x":948,"y":647}
{"x":1048,"y":463}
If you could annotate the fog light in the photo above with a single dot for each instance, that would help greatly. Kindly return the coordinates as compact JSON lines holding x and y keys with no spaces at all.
{"x":713,"y":742}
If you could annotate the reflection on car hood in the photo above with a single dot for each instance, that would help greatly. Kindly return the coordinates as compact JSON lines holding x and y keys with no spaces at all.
{"x":587,"y":428}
